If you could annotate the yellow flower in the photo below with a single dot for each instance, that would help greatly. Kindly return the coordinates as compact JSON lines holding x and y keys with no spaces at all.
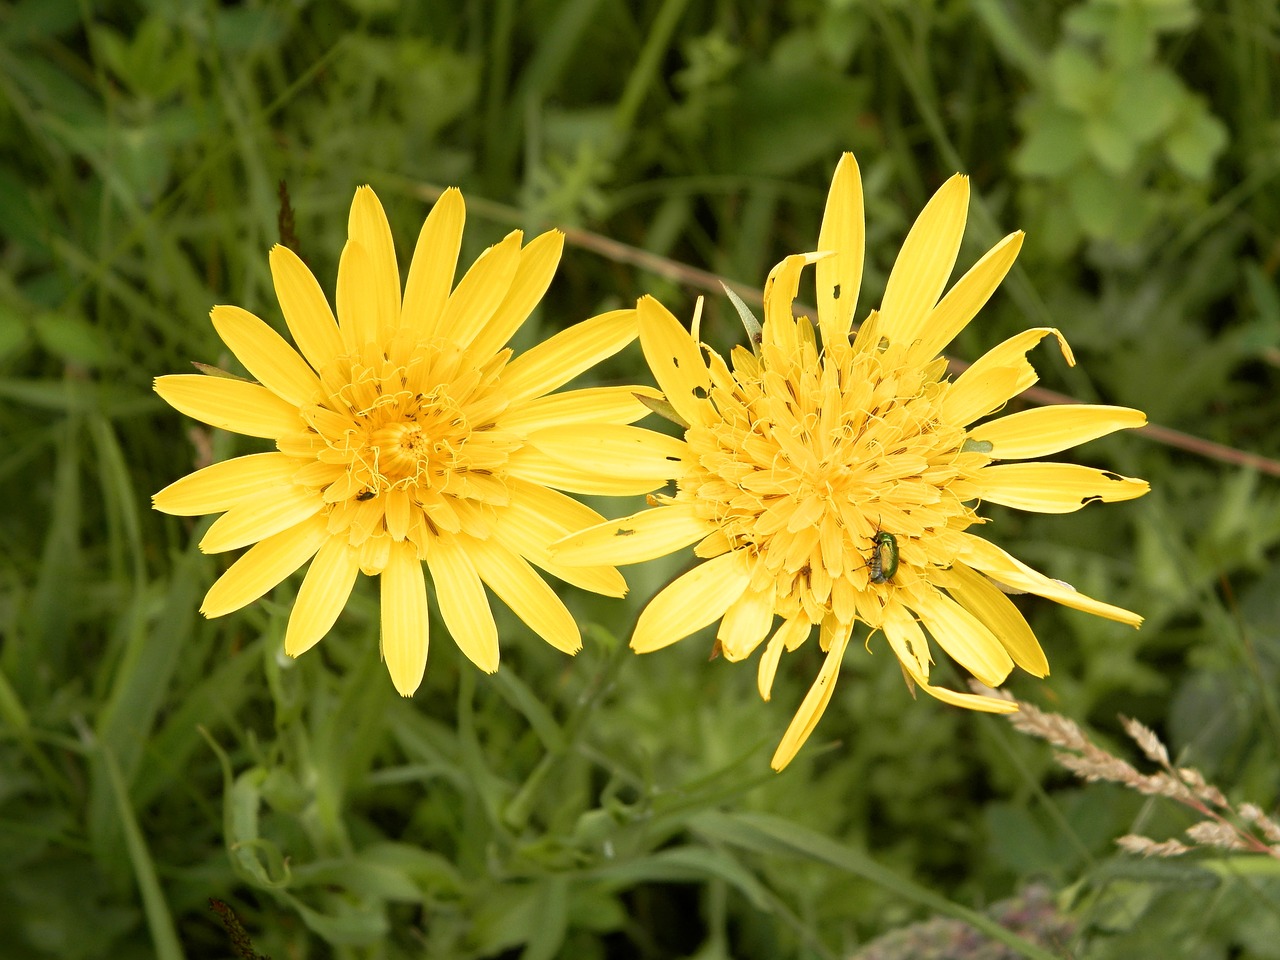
{"x":404,"y":432}
{"x":836,"y":485}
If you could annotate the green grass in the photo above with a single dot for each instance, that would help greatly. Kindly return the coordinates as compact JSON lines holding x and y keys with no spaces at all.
{"x":613,"y":805}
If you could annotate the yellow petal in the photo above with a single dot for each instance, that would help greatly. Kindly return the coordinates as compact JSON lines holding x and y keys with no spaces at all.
{"x":642,"y":536}
{"x":406,"y":626}
{"x":780,"y":291}
{"x":531,"y":464}
{"x":814,"y":704}
{"x":359,"y":310}
{"x":221,"y":486}
{"x":965,"y":638}
{"x":924,"y":264}
{"x":463,"y":604}
{"x":472,"y":304}
{"x":676,"y":361}
{"x":324,"y":592}
{"x":1055,"y":487}
{"x":528,"y":595}
{"x":907,"y":640}
{"x":691,"y":601}
{"x":979,"y":596}
{"x":538,"y":262}
{"x":559,"y":359}
{"x":306,"y":311}
{"x":589,"y":405}
{"x":435,"y":259}
{"x":969,"y":701}
{"x":247,"y":408}
{"x":260,"y":516}
{"x":1046,"y":430}
{"x":746,"y":623}
{"x":1000,"y":373}
{"x":962,"y":302}
{"x":263,"y":566}
{"x":605,"y":448}
{"x":842,"y":234}
{"x":367,"y":225}
{"x":266,"y":355}
{"x":536,"y":517}
{"x":788,"y":637}
{"x":1004,"y":568}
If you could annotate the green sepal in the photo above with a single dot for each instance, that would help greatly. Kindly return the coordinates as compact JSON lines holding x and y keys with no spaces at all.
{"x":663,"y":408}
{"x":755,"y":332}
{"x":211,"y":371}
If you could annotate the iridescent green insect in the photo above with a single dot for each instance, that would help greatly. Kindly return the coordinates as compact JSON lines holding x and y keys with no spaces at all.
{"x":884,"y":557}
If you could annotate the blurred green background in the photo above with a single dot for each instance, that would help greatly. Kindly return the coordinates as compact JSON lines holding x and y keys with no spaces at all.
{"x":613,"y":805}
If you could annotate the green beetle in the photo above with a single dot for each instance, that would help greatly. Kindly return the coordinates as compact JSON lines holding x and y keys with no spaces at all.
{"x":884,"y":557}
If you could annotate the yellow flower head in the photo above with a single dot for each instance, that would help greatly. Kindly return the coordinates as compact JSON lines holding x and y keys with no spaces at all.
{"x":405,"y":432}
{"x":827,"y":486}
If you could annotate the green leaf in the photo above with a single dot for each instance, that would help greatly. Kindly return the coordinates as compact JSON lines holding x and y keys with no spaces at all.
{"x":72,"y":339}
{"x":1111,"y":143}
{"x":1196,"y":141}
{"x":1054,"y":142}
{"x":1145,"y":101}
{"x":1077,"y":79}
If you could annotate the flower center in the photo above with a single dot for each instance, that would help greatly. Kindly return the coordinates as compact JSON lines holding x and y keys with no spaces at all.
{"x":814,"y":456}
{"x":405,"y":445}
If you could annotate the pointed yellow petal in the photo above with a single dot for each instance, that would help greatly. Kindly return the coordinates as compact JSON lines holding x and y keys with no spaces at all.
{"x":1046,"y":430}
{"x":746,"y":623}
{"x":247,"y":408}
{"x":676,"y":361}
{"x":263,"y":566}
{"x":907,"y":640}
{"x":691,"y":601}
{"x":969,"y":701}
{"x":324,"y":592}
{"x":1000,"y":373}
{"x":367,"y":225}
{"x":463,"y":604}
{"x":814,"y":705}
{"x":788,"y":637}
{"x":606,"y":448}
{"x":530,"y":464}
{"x":263,"y":515}
{"x":642,"y":536}
{"x":842,"y":234}
{"x":538,"y":262}
{"x":965,"y":638}
{"x":1004,"y":568}
{"x":589,"y":405}
{"x":559,"y":359}
{"x":1055,"y":487}
{"x":480,"y":291}
{"x":220,"y":486}
{"x":359,"y":309}
{"x":943,"y":324}
{"x":528,"y":595}
{"x":537,"y":517}
{"x":979,"y":596}
{"x":306,"y":311}
{"x":266,"y":355}
{"x":406,"y":625}
{"x":924,"y":264}
{"x":435,"y":259}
